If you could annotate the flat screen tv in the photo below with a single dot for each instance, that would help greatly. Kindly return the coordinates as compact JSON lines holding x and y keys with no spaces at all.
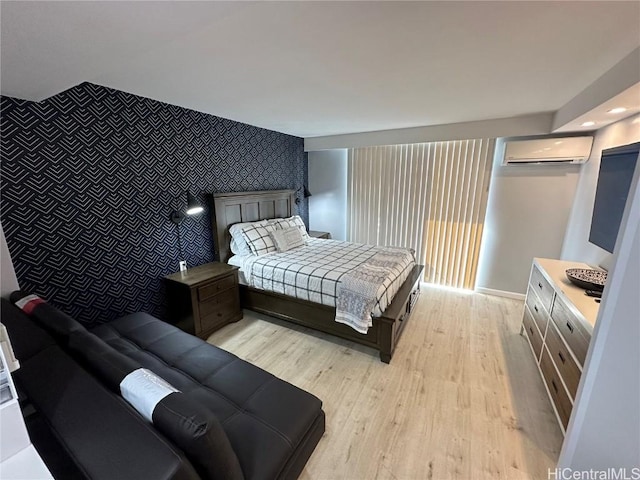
{"x":617,"y":166}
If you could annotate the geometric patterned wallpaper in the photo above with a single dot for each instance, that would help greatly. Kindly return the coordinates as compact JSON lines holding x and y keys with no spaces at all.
{"x":89,"y":178}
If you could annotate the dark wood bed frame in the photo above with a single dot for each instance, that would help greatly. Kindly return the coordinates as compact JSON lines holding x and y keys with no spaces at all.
{"x":229,"y":208}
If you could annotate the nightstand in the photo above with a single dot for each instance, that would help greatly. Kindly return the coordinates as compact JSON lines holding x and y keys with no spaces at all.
{"x":204,"y":299}
{"x":315,"y":234}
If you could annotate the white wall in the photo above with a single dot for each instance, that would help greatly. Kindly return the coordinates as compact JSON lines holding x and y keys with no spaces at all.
{"x":8,"y":280}
{"x":604,"y":430}
{"x":576,"y":243}
{"x":534,"y":124}
{"x":527,"y":215}
{"x":328,"y":186}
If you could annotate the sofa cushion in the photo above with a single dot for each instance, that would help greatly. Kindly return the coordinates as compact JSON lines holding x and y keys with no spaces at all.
{"x":107,"y":438}
{"x":266,"y":419}
{"x":98,"y":431}
{"x":27,"y":339}
{"x":185,"y":422}
{"x":55,"y":321}
{"x":197,"y":431}
{"x":105,"y":362}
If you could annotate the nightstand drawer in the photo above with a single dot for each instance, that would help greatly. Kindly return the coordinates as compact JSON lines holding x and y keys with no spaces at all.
{"x":219,"y":302}
{"x":207,"y":291}
{"x":542,"y":288}
{"x":565,"y":363}
{"x":558,"y":394}
{"x":215,"y":313}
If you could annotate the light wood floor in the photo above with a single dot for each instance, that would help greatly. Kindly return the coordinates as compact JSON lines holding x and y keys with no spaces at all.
{"x":462,"y":397}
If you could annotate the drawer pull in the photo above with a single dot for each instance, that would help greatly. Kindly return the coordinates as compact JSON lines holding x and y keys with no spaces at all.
{"x":540,"y":285}
{"x":531,"y":330}
{"x":570,"y":327}
{"x":561,"y":357}
{"x":555,"y":387}
{"x":535,"y":307}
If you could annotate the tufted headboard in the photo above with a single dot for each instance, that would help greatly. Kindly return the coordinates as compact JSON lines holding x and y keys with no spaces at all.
{"x":235,"y":207}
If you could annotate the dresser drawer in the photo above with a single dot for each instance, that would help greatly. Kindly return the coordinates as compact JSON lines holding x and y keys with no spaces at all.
{"x":542,"y":287}
{"x":559,"y":395}
{"x":568,"y":327}
{"x":215,"y":313}
{"x":535,"y":339}
{"x":563,"y":360}
{"x":537,"y":310}
{"x":207,"y":291}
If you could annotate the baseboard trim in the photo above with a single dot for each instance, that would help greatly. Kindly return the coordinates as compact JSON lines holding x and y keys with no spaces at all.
{"x":501,"y":293}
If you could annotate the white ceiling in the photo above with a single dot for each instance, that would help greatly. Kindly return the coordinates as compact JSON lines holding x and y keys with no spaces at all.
{"x":321,"y":68}
{"x":602,"y":115}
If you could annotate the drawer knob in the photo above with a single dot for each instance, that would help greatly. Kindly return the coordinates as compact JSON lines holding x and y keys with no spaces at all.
{"x":570,"y":327}
{"x":540,"y":285}
{"x":561,"y":357}
{"x":535,"y":307}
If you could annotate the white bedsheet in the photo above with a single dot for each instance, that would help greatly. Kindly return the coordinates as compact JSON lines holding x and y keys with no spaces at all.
{"x":238,"y":261}
{"x":313,"y":272}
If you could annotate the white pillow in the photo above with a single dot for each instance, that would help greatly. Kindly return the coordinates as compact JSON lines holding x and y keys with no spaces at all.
{"x":238,"y":243}
{"x":143,"y":389}
{"x":287,"y":239}
{"x":258,"y":239}
{"x":295,"y":221}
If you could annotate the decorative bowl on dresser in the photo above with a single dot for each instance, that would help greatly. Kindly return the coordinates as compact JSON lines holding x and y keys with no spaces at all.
{"x":588,"y":278}
{"x":558,"y":320}
{"x":204,"y":299}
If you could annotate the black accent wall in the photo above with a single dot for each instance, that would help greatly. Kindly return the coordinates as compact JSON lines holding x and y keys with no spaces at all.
{"x":89,"y":178}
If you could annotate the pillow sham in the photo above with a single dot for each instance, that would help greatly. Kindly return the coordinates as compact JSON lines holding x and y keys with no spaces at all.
{"x":238,"y":244}
{"x":287,"y":239}
{"x":258,"y":239}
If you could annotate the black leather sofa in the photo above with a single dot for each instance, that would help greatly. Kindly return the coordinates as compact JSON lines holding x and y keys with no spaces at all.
{"x":229,"y":420}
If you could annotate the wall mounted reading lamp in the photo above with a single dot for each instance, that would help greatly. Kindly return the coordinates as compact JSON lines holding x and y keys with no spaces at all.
{"x":305,"y":193}
{"x":193,"y":208}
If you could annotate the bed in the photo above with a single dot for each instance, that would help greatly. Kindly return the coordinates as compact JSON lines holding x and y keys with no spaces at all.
{"x":227,"y":209}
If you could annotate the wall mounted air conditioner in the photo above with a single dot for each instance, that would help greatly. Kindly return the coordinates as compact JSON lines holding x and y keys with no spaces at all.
{"x":566,"y":150}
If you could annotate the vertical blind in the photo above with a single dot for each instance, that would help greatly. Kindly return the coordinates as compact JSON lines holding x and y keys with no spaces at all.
{"x":431,"y":197}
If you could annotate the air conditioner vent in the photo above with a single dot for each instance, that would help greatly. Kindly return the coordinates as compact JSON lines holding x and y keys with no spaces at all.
{"x":559,"y":151}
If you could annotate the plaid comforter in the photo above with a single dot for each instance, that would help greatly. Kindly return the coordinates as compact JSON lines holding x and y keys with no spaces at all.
{"x":314,"y":271}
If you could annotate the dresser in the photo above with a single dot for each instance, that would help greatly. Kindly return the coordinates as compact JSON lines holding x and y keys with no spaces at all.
{"x":204,"y":299}
{"x":558,"y":322}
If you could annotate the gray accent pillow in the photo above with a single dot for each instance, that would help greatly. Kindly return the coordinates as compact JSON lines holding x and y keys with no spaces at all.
{"x":295,"y":221}
{"x":287,"y":239}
